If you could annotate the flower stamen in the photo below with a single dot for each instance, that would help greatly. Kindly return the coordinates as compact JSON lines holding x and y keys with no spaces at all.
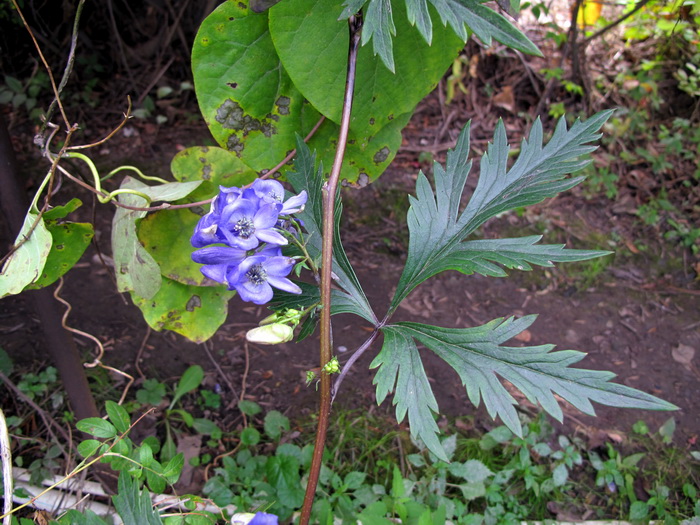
{"x":244,"y":228}
{"x":256,"y":275}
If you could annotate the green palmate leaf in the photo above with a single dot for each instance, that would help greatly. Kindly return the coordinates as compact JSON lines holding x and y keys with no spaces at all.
{"x":282,"y":472}
{"x":86,"y":517}
{"x":305,"y":177}
{"x":477,"y":356}
{"x":437,"y":228}
{"x":136,"y":270}
{"x":379,"y":24}
{"x":483,"y":21}
{"x":25,"y":265}
{"x":401,"y":370}
{"x":193,"y":311}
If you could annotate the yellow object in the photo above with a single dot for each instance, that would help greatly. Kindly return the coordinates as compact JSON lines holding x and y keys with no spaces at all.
{"x":589,"y":13}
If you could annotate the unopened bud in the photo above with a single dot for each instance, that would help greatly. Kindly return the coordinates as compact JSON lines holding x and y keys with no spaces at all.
{"x":332,"y":366}
{"x":270,"y":334}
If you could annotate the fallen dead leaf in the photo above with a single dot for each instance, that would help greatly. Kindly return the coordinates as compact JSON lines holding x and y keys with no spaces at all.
{"x":614,"y":436}
{"x":505,"y":99}
{"x":683,"y":354}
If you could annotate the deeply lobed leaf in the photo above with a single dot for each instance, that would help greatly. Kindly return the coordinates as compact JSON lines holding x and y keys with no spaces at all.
{"x":479,"y":358}
{"x":438,"y":230}
{"x":401,"y":369}
{"x":483,"y":21}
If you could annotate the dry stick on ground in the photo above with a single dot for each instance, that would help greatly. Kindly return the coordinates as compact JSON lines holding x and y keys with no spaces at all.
{"x":573,"y":34}
{"x":120,"y":42}
{"x":47,"y":419}
{"x":100,"y":347}
{"x":245,"y":420}
{"x":206,"y":345}
{"x":578,"y":51}
{"x":6,"y":456}
{"x":180,"y":33}
{"x":140,"y":352}
{"x":164,"y":46}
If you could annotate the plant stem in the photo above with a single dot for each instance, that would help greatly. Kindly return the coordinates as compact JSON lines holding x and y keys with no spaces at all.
{"x":329,"y":193}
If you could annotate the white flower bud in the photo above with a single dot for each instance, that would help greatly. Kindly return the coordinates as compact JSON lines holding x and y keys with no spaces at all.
{"x":270,"y":334}
{"x":242,"y":518}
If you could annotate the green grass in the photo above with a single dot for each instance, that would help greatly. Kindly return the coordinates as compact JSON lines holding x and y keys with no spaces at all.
{"x":374,"y":471}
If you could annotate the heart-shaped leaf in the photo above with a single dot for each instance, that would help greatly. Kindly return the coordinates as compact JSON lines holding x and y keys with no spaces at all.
{"x":193,"y":311}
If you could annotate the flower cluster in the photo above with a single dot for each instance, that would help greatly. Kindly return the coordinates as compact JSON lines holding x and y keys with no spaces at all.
{"x":245,"y":227}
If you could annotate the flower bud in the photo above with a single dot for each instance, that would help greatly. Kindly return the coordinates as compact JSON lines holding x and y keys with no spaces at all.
{"x":290,"y":315}
{"x":270,"y":319}
{"x":332,"y":366}
{"x":270,"y":334}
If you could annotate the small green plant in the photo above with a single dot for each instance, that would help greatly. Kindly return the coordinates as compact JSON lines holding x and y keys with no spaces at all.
{"x":116,"y":449}
{"x":247,"y":480}
{"x":156,"y":106}
{"x":616,"y":473}
{"x":153,"y":392}
{"x":25,"y":94}
{"x":689,"y":77}
{"x":38,"y":385}
{"x":601,"y":179}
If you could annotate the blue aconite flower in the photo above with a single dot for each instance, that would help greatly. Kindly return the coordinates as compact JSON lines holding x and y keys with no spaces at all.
{"x":246,"y":223}
{"x":254,"y":278}
{"x":272,"y":192}
{"x":241,"y":238}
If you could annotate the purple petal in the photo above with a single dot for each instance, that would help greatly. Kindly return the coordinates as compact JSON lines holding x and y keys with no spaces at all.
{"x":279,"y":266}
{"x":263,"y":518}
{"x":240,"y":209}
{"x":249,"y":262}
{"x":215,"y":272}
{"x":266,"y":217}
{"x":269,"y":190}
{"x":206,"y":231}
{"x":218,"y":255}
{"x":271,"y":236}
{"x":294,"y":204}
{"x":254,"y":293}
{"x":283,"y":284}
{"x":269,"y":250}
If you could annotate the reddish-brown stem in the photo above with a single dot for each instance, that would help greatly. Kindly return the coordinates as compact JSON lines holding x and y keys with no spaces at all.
{"x":329,"y":193}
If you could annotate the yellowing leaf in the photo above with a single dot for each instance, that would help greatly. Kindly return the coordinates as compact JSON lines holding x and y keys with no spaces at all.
{"x":589,"y":13}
